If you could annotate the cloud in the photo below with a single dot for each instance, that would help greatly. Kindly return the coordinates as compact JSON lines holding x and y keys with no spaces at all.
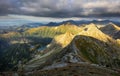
{"x":61,"y":8}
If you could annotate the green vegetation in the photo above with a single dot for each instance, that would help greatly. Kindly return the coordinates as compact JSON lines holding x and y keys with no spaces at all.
{"x":51,"y":32}
{"x":16,"y":53}
{"x":96,"y":51}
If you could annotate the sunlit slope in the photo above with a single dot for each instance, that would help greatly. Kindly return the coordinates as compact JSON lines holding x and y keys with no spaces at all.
{"x":53,"y":31}
{"x":10,"y":35}
{"x":93,"y":31}
{"x":44,"y":31}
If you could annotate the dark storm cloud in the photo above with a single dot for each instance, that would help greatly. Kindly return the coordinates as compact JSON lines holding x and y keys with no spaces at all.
{"x":61,"y":8}
{"x":4,"y":7}
{"x":9,"y":7}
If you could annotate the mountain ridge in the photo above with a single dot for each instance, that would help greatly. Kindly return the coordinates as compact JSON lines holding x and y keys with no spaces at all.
{"x":99,"y":43}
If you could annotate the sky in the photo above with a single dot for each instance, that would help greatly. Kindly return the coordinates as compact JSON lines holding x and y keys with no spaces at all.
{"x":59,"y":9}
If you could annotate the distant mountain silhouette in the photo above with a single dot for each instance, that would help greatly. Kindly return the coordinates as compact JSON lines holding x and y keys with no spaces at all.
{"x":31,"y":25}
{"x":80,"y":22}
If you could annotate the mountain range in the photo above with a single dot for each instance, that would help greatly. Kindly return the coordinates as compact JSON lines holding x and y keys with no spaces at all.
{"x":65,"y":49}
{"x":81,"y":22}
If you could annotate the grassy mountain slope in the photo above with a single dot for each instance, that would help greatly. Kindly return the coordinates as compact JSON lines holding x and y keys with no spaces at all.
{"x":51,"y":32}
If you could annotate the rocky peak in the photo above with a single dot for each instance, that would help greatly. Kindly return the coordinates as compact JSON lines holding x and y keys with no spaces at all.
{"x":111,"y":30}
{"x":110,"y":27}
{"x":93,"y":31}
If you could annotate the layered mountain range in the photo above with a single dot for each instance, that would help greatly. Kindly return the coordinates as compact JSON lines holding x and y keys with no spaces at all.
{"x":64,"y":50}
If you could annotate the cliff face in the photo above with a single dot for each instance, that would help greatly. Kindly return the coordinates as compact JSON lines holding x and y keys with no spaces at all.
{"x":116,"y":35}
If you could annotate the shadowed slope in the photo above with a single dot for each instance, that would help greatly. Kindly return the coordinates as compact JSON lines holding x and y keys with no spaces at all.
{"x":75,"y":70}
{"x":111,"y":30}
